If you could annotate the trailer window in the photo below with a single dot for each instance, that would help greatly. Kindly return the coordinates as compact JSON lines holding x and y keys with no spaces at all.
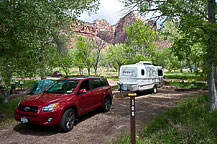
{"x":160,"y":73}
{"x":142,"y":72}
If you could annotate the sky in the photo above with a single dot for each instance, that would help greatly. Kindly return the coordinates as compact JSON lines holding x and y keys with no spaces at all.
{"x":110,"y":10}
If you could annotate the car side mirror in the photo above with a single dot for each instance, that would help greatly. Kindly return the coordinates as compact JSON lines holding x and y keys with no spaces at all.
{"x":82,"y":91}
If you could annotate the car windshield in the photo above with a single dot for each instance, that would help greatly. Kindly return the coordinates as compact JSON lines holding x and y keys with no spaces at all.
{"x":62,"y":86}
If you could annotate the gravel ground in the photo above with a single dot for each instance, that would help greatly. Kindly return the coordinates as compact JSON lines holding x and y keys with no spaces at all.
{"x":97,"y":127}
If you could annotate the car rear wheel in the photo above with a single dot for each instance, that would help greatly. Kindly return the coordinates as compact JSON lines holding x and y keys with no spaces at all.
{"x":67,"y":120}
{"x":107,"y":104}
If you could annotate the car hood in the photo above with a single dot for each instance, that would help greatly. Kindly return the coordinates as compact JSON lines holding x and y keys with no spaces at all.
{"x":42,"y":99}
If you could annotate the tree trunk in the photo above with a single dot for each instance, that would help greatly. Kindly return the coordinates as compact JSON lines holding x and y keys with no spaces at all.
{"x":210,"y":59}
{"x":181,"y":70}
{"x":88,"y":69}
{"x":80,"y":71}
{"x":42,"y":62}
{"x":212,"y":87}
{"x":95,"y":70}
{"x":6,"y":95}
{"x":66,"y":71}
{"x":6,"y":79}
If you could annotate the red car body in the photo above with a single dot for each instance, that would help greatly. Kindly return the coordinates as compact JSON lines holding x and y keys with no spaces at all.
{"x":80,"y":100}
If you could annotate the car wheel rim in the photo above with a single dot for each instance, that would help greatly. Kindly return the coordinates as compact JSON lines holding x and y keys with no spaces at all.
{"x":107,"y":104}
{"x":70,"y":120}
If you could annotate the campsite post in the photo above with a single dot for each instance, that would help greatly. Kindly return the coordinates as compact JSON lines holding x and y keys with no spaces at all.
{"x":132,"y":117}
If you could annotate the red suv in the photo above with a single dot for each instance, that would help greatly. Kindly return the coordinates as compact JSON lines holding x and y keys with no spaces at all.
{"x":65,"y":100}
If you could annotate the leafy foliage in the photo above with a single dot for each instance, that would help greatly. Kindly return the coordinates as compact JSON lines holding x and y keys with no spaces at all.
{"x":197,"y":28}
{"x":87,"y":53}
{"x":117,"y":55}
{"x":28,"y":30}
{"x":140,"y":39}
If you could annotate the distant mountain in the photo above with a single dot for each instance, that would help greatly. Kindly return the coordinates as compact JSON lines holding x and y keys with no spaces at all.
{"x":105,"y":31}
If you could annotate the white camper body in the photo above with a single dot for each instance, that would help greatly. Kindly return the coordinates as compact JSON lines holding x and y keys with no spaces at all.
{"x":140,"y":76}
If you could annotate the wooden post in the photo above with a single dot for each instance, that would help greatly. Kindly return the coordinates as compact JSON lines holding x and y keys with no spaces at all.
{"x":132,"y":117}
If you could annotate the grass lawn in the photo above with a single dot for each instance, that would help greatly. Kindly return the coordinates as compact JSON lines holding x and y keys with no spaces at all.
{"x":7,"y":110}
{"x":185,"y":76}
{"x":188,"y":85}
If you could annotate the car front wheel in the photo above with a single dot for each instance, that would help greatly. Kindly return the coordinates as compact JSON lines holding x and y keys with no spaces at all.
{"x":67,"y":120}
{"x":107,"y":104}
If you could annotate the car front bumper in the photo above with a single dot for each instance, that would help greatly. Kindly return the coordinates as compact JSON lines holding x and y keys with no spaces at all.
{"x":39,"y":118}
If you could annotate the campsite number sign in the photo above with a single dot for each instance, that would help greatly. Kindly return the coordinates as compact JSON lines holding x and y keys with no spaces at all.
{"x":132,"y":117}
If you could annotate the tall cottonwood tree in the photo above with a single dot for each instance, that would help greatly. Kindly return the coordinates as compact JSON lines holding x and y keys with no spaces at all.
{"x":197,"y":23}
{"x":27,"y":25}
{"x":96,"y":54}
{"x":117,"y":55}
{"x":83,"y":58}
{"x":140,"y":38}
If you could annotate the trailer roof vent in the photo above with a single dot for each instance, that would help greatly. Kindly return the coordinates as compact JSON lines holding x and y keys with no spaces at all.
{"x":145,"y":62}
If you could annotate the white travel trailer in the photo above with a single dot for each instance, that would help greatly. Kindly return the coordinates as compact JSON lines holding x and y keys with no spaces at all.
{"x":140,"y":76}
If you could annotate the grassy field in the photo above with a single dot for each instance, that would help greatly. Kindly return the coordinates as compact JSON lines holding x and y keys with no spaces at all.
{"x":190,"y":122}
{"x":185,"y":76}
{"x":189,"y":85}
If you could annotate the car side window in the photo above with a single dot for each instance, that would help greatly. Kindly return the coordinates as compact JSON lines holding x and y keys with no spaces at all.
{"x":85,"y":85}
{"x":95,"y":83}
{"x":103,"y":82}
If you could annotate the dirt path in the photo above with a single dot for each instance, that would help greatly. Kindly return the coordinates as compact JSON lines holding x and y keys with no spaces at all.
{"x":96,"y":127}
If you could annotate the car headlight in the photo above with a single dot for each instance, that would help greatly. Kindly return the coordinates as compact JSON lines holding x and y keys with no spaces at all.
{"x":50,"y":107}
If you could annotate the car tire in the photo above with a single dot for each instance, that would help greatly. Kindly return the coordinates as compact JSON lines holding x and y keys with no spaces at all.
{"x":154,"y":90}
{"x":67,"y":120}
{"x":106,"y":104}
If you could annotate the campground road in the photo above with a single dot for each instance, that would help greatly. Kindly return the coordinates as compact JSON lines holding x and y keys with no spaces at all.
{"x":97,"y":127}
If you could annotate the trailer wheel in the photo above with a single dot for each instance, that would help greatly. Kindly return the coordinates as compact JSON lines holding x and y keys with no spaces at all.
{"x":154,"y":90}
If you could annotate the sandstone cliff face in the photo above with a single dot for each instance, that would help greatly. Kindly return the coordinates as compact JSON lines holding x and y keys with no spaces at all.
{"x":104,"y":30}
{"x":120,"y":35}
{"x":83,"y":28}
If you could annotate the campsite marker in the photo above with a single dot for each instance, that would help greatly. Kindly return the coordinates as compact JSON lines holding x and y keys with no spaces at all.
{"x":132,"y":117}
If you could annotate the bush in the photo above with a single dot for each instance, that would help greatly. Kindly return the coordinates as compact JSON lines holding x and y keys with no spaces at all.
{"x":8,"y":108}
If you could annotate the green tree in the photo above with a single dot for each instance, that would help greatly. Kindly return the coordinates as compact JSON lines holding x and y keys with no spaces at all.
{"x":167,"y":59}
{"x":117,"y":55}
{"x":197,"y":24}
{"x":140,"y":39}
{"x":96,"y":54}
{"x":30,"y":25}
{"x":83,"y":55}
{"x":189,"y":56}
